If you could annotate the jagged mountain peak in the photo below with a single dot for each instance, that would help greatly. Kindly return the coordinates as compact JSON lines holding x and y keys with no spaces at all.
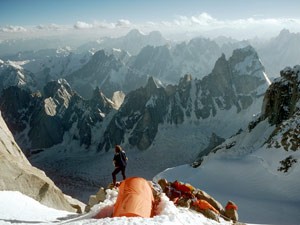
{"x":153,"y":84}
{"x":101,"y":101}
{"x":60,"y":87}
{"x":284,"y":31}
{"x":221,"y":66}
{"x":13,"y":74}
{"x":245,"y":62}
{"x":285,"y":36}
{"x":249,"y":49}
{"x":134,"y":33}
{"x":241,"y":55}
{"x":100,"y":55}
{"x":184,"y":81}
{"x":155,"y":34}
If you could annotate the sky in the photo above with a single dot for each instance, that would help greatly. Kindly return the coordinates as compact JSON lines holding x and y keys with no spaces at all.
{"x":169,"y":16}
{"x":34,"y":12}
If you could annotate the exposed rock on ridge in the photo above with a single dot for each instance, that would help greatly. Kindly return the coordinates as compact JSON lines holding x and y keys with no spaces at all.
{"x":282,"y":108}
{"x":17,"y":174}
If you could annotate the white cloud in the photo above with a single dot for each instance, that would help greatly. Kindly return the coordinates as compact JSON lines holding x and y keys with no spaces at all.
{"x":12,"y":29}
{"x":123,"y":23}
{"x":201,"y":24}
{"x":204,"y":20}
{"x":104,"y":24}
{"x":52,"y":26}
{"x":82,"y":25}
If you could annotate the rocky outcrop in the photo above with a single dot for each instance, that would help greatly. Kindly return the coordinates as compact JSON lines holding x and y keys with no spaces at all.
{"x":282,"y":108}
{"x":17,"y":106}
{"x":17,"y":174}
{"x":281,"y":99}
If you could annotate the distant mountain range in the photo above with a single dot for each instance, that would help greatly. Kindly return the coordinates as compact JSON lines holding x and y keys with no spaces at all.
{"x":279,"y":52}
{"x":198,"y":54}
{"x":132,"y":42}
{"x":57,"y":124}
{"x":68,"y":109}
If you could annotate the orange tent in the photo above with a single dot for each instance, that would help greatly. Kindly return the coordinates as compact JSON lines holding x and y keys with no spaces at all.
{"x":135,"y":198}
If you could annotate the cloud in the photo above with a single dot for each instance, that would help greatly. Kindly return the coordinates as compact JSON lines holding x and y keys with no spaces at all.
{"x":49,"y":27}
{"x":195,"y":25}
{"x":204,"y":21}
{"x":123,"y":23}
{"x":13,"y":29}
{"x":82,"y":25}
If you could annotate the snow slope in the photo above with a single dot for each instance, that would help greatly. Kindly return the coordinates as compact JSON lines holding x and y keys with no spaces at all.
{"x":247,"y":174}
{"x":19,"y":209}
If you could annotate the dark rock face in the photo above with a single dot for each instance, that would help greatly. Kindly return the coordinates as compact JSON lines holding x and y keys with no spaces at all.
{"x":280,"y":102}
{"x":17,"y":105}
{"x":143,"y":110}
{"x":17,"y":174}
{"x":281,"y":107}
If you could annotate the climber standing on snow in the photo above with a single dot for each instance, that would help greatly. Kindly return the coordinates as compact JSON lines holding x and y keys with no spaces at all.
{"x":120,"y":162}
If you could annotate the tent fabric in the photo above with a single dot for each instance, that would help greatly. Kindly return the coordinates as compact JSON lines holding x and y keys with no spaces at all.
{"x":135,"y":198}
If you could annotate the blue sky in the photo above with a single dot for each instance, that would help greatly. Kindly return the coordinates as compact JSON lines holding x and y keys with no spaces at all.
{"x":34,"y":12}
{"x":235,"y":18}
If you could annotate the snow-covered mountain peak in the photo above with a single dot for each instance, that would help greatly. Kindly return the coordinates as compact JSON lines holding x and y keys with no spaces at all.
{"x":13,"y":74}
{"x":246,"y":62}
{"x":60,"y":87}
{"x":134,"y":33}
{"x":155,"y":35}
{"x":154,"y":83}
{"x":101,"y":101}
{"x":284,"y":35}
